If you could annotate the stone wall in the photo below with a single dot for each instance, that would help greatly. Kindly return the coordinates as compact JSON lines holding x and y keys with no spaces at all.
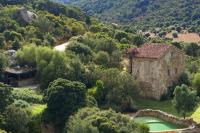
{"x":26,"y":15}
{"x":166,"y":117}
{"x":156,"y":75}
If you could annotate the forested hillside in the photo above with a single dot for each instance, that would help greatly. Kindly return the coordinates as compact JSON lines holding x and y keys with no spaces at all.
{"x":87,"y":86}
{"x":145,"y":13}
{"x":78,"y":77}
{"x":39,"y":22}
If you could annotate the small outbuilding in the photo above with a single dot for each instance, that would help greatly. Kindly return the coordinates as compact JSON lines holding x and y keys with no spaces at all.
{"x":18,"y":76}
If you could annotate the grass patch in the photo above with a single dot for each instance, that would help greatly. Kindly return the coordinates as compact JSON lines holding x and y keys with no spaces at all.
{"x":37,"y":109}
{"x":165,"y":106}
{"x":196,"y":115}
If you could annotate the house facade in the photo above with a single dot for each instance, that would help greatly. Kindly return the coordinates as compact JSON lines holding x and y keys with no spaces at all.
{"x":156,"y":67}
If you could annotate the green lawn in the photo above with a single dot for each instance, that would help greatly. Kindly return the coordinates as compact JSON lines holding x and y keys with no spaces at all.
{"x":165,"y":106}
{"x":37,"y":108}
{"x":196,"y":115}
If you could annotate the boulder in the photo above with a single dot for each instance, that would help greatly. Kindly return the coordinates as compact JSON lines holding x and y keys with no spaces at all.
{"x":26,"y":15}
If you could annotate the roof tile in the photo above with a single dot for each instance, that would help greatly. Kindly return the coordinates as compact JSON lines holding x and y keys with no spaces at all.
{"x":149,"y":50}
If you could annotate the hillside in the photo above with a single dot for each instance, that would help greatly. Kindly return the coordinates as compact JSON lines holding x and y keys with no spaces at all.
{"x":39,"y":22}
{"x":145,"y":13}
{"x":63,"y":71}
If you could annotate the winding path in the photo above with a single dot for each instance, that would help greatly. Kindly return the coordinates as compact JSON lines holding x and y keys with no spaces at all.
{"x":61,"y":47}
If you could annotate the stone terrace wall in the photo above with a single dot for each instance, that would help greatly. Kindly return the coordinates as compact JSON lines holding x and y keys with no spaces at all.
{"x":166,"y":117}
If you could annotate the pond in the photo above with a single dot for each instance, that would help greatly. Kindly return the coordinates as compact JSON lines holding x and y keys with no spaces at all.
{"x":156,"y":124}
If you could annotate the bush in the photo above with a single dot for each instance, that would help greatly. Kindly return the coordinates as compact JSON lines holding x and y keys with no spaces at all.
{"x":192,"y":49}
{"x":108,"y":121}
{"x":175,"y":35}
{"x":102,"y":58}
{"x":28,"y":95}
{"x":35,"y":124}
{"x":5,"y":96}
{"x":17,"y":119}
{"x":21,"y":104}
{"x":91,"y":101}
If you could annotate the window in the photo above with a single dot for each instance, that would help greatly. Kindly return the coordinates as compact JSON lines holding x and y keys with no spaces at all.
{"x":168,"y":72}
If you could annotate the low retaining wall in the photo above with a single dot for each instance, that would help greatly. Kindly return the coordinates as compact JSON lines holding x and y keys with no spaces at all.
{"x":166,"y":117}
{"x":188,"y":123}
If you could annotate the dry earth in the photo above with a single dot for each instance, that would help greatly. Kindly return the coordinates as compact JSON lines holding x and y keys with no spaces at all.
{"x":185,"y":37}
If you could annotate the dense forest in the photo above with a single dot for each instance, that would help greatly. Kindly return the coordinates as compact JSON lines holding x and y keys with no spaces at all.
{"x":144,"y":14}
{"x":87,"y":87}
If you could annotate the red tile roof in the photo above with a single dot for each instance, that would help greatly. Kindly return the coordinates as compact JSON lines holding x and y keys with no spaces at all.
{"x":154,"y":50}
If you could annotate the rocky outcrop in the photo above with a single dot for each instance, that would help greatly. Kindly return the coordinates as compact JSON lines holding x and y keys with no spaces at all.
{"x":26,"y":15}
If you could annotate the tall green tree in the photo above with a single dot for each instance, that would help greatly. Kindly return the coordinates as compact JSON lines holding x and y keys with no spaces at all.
{"x":83,"y":51}
{"x":5,"y":96}
{"x":3,"y":61}
{"x":17,"y":119}
{"x":102,"y":58}
{"x":192,"y":49}
{"x":196,"y":83}
{"x":64,"y":97}
{"x":184,"y":100}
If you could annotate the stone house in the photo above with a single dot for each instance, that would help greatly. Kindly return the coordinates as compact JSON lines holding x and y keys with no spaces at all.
{"x":155,"y":67}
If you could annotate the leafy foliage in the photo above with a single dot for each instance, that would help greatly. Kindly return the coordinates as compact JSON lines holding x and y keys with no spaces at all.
{"x":3,"y":61}
{"x":17,"y":119}
{"x":28,"y":95}
{"x":64,"y":97}
{"x":5,"y":96}
{"x":145,"y":13}
{"x":51,"y":64}
{"x":54,"y":23}
{"x":184,"y":99}
{"x":95,"y":120}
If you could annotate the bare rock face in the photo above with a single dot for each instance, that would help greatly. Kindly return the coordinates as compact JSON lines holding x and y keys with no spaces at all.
{"x":26,"y":15}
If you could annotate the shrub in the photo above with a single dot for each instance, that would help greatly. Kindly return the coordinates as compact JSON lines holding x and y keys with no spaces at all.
{"x":5,"y":96}
{"x":91,"y":101}
{"x":35,"y":124}
{"x":106,"y":121}
{"x":17,"y":119}
{"x":175,"y":35}
{"x":21,"y":104}
{"x":102,"y":58}
{"x":28,"y":95}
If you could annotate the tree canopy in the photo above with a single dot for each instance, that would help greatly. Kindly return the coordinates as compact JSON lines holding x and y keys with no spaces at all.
{"x":184,"y":99}
{"x":63,"y":98}
{"x":102,"y":121}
